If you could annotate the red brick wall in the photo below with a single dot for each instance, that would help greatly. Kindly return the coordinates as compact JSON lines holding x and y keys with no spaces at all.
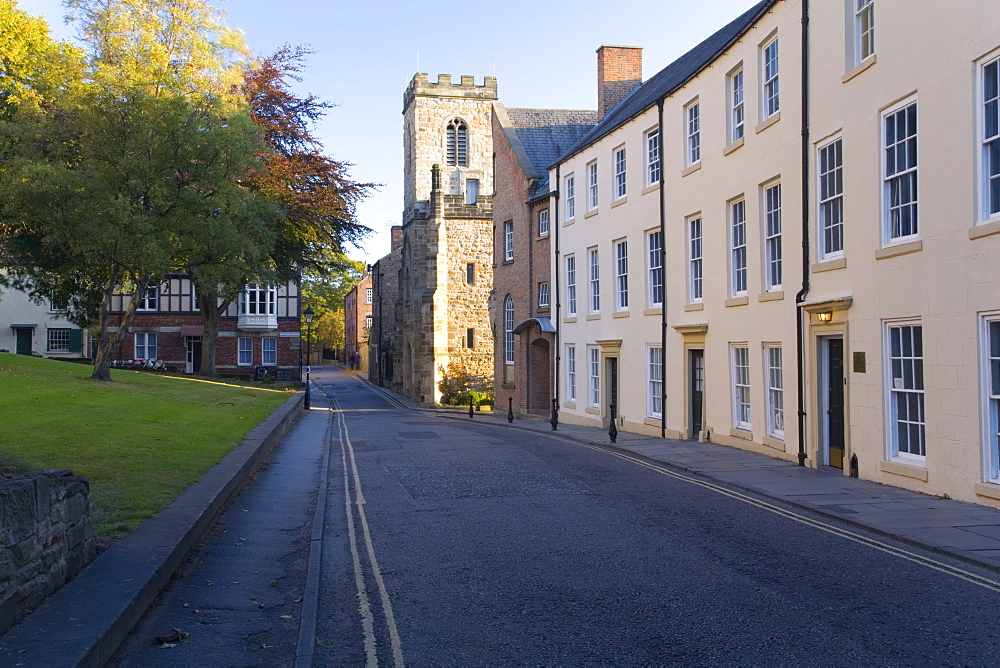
{"x":619,"y":72}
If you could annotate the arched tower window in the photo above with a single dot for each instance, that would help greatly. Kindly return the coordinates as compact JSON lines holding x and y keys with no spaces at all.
{"x":458,"y":143}
{"x":508,"y":330}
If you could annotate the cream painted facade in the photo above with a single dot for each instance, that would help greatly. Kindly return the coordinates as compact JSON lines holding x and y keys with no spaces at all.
{"x":27,"y":327}
{"x":901,"y":297}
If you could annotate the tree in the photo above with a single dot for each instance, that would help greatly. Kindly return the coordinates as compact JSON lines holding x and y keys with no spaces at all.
{"x":155,"y":138}
{"x":325,"y":294}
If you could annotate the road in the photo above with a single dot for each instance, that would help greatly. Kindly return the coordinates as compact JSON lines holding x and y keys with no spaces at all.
{"x":444,"y":541}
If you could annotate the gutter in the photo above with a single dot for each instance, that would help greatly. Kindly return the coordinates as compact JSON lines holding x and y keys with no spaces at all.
{"x":663,"y":268}
{"x":556,"y":270}
{"x":801,"y":296}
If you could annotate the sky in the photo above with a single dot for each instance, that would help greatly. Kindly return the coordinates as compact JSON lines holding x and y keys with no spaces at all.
{"x":543,"y":55}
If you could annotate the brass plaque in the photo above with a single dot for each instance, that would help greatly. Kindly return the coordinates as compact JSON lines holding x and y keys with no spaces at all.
{"x":859,"y":362}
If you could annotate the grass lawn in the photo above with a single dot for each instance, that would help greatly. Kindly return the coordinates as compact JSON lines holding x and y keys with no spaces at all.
{"x":140,"y":440}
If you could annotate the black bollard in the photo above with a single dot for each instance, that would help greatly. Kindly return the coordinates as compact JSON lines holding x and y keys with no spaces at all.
{"x":306,"y":403}
{"x":613,"y":429}
{"x":554,"y":420}
{"x":510,"y":409}
{"x":471,"y":414}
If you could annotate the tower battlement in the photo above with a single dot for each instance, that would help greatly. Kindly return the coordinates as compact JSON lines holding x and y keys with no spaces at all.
{"x":420,"y":84}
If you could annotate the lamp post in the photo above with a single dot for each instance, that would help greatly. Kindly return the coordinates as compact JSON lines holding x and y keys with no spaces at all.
{"x":308,"y":313}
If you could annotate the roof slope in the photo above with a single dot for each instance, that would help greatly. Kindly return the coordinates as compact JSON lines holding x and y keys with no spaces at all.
{"x":548,"y":133}
{"x":672,"y":77}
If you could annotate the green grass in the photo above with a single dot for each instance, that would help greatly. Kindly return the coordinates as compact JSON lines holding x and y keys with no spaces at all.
{"x":140,"y":440}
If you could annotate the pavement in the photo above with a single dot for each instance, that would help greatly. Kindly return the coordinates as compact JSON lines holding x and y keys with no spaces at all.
{"x":84,"y":622}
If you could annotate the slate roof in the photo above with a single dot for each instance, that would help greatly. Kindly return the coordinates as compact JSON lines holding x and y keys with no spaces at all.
{"x":671,"y":78}
{"x":546,"y":134}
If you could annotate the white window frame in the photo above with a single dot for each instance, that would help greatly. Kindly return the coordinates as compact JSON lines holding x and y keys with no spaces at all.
{"x":593,"y":280}
{"x":774,"y":385}
{"x":696,"y":266}
{"x":654,"y":256}
{"x":594,"y":375}
{"x":739,"y":371}
{"x":895,"y":181}
{"x":737,"y":247}
{"x":990,"y":356}
{"x":737,"y":108}
{"x":147,"y":346}
{"x":653,"y":161}
{"x":692,"y":134}
{"x":592,"y":186}
{"x":508,"y":330}
{"x":571,"y":373}
{"x":621,"y":275}
{"x":894,"y":391}
{"x":269,"y":350}
{"x":255,"y":297}
{"x":864,"y":30}
{"x":150,"y":300}
{"x":244,"y":351}
{"x":621,"y":167}
{"x":570,"y":286}
{"x":654,"y":382}
{"x":989,"y":138}
{"x":570,"y":197}
{"x":369,"y":295}
{"x":57,"y":340}
{"x":55,"y":307}
{"x":543,"y":223}
{"x":769,"y":80}
{"x":830,"y":197}
{"x":369,"y":321}
{"x":471,"y":191}
{"x":771,"y":204}
{"x":543,"y":294}
{"x":508,"y":241}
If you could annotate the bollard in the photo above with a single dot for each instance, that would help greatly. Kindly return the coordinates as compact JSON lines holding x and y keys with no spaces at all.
{"x":510,"y":409}
{"x":613,"y":429}
{"x":554,"y":420}
{"x":306,"y":400}
{"x":471,"y":414}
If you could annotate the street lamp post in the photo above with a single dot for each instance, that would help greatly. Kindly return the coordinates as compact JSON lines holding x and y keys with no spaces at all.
{"x":308,"y":313}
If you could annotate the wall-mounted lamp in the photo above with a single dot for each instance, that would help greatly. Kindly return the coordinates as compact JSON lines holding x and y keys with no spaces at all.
{"x":825,"y":316}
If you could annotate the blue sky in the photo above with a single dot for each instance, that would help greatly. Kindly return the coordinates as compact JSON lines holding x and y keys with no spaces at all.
{"x":542,"y":53}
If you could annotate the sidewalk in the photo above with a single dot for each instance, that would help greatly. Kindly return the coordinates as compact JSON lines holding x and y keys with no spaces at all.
{"x":963,"y":531}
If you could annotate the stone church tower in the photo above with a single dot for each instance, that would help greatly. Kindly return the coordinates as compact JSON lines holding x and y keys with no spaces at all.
{"x":446,"y":273}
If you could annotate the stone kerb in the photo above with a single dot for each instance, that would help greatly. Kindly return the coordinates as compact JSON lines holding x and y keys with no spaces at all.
{"x":45,"y":539}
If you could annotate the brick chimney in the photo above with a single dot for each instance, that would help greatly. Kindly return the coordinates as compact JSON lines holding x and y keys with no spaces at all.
{"x":619,"y":72}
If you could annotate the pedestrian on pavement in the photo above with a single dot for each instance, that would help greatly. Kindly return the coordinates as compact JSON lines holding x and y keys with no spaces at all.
{"x":357,"y":361}
{"x":350,"y":360}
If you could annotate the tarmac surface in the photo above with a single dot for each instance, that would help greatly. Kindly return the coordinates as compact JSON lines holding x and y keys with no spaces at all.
{"x":82,"y":624}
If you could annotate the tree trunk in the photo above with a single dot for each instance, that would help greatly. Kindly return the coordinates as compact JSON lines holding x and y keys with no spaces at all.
{"x":109,"y":344}
{"x":212,"y":307}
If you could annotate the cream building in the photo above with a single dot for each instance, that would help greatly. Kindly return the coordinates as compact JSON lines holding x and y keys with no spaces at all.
{"x":751,"y":251}
{"x":31,"y":328}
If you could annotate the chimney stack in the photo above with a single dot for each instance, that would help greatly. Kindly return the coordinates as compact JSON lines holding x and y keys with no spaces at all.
{"x":619,"y":72}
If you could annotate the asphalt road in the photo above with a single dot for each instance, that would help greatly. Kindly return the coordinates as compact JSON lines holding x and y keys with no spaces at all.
{"x":452,"y":542}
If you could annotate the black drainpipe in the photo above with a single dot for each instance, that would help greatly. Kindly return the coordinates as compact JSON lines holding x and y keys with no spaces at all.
{"x":801,"y":296}
{"x":663,"y":268}
{"x":554,"y":233}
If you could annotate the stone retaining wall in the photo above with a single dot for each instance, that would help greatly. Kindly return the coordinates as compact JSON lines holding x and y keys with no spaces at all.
{"x":45,"y":538}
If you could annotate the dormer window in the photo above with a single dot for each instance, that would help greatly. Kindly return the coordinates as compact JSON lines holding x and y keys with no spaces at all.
{"x":458,"y":143}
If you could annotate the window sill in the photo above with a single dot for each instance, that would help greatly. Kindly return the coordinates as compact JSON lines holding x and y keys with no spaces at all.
{"x":544,"y":307}
{"x":569,"y":319}
{"x":591,"y":213}
{"x":652,"y":421}
{"x":736,"y":432}
{"x":903,"y":470}
{"x":899,"y":249}
{"x":984,"y":230}
{"x":593,"y":316}
{"x":618,"y":202}
{"x":858,"y":69}
{"x":700,"y":306}
{"x":569,"y":404}
{"x":691,"y":169}
{"x":776,"y":443}
{"x":732,"y":146}
{"x":569,"y":221}
{"x":656,"y":310}
{"x":989,"y":490}
{"x":510,"y":261}
{"x":767,"y":122}
{"x":592,"y":410}
{"x":737,"y":301}
{"x":508,"y":386}
{"x":621,"y":314}
{"x":773,"y":296}
{"x":829,"y":265}
{"x":649,"y":189}
{"x":542,"y":236}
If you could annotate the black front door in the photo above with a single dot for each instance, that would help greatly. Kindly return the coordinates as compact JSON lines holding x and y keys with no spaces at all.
{"x":23,"y":341}
{"x":615,"y":410}
{"x":835,"y":400}
{"x":697,"y":376}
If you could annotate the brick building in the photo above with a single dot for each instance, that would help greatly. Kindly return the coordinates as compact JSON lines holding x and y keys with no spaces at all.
{"x":385,"y":291}
{"x":526,"y":142}
{"x":259,"y":334}
{"x":358,"y":321}
{"x":446,"y":273}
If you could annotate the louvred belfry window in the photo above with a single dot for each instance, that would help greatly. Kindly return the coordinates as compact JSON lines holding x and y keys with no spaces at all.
{"x":458,"y":143}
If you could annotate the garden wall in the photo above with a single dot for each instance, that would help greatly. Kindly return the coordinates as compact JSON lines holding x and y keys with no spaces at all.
{"x":45,"y":538}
